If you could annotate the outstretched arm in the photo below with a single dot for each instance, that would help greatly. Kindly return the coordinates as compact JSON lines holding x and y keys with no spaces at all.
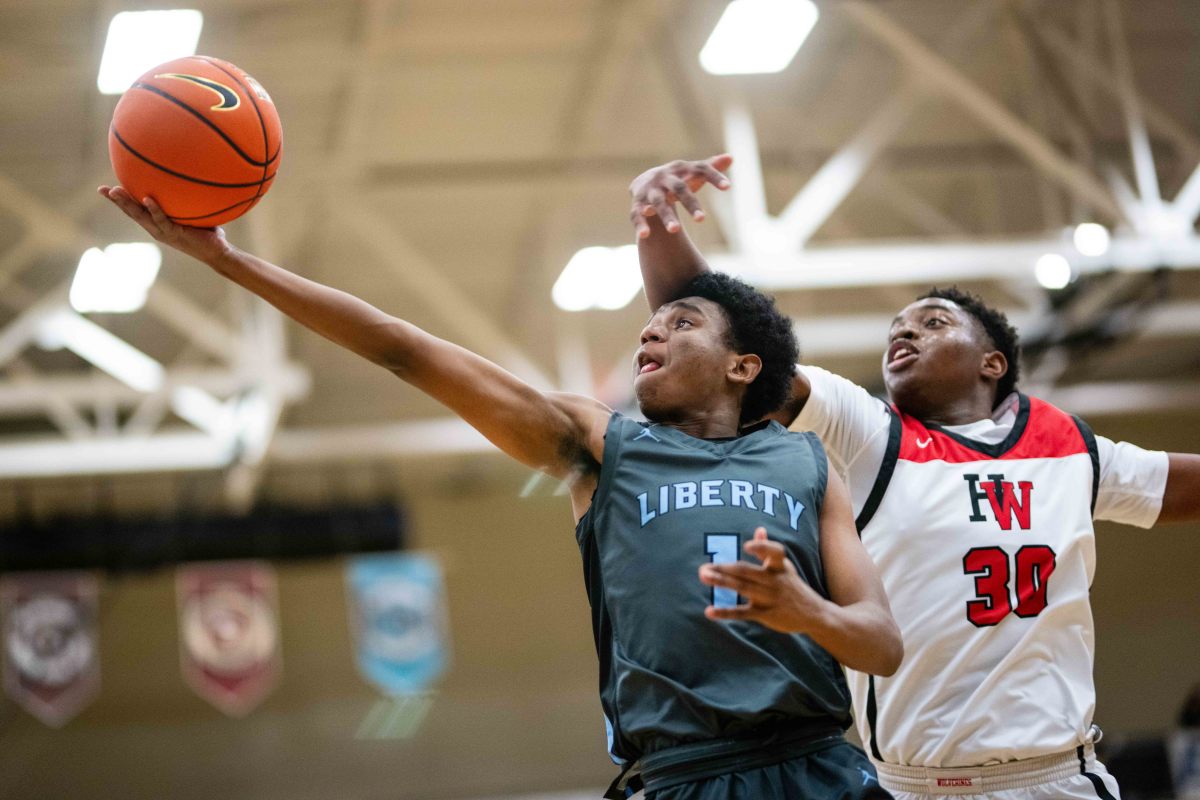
{"x":1181,"y":500}
{"x":856,"y":625}
{"x":553,"y":432}
{"x":667,"y":255}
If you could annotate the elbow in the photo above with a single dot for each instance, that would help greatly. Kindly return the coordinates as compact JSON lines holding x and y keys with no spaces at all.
{"x":891,"y":650}
{"x":392,"y":349}
{"x":892,"y":654}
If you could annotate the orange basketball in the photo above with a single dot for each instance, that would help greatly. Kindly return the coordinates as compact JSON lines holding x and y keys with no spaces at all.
{"x":198,"y":135}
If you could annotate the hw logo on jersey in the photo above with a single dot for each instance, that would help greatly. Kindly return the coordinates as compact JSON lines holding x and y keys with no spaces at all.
{"x":1005,"y":499}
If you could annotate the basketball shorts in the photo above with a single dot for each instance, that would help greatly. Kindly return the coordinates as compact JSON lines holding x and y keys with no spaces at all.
{"x":1074,"y":775}
{"x":836,"y":771}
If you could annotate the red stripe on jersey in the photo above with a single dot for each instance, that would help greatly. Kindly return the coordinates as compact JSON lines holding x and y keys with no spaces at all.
{"x":1048,"y":433}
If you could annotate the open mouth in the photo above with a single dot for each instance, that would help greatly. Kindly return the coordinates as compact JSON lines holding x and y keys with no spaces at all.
{"x":646,"y":363}
{"x":901,"y":354}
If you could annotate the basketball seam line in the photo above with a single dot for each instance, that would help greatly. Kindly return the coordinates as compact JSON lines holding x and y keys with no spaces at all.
{"x":218,"y":211}
{"x":206,"y":121}
{"x":262,"y":124}
{"x":201,"y":181}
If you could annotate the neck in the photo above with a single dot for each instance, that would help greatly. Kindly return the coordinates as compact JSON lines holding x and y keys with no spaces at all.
{"x":712,"y":424}
{"x":962,"y":411}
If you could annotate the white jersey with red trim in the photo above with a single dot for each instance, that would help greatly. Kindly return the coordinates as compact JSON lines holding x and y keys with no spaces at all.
{"x":988,"y":554}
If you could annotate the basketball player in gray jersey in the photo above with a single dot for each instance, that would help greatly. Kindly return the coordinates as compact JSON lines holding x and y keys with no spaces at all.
{"x":696,"y":707}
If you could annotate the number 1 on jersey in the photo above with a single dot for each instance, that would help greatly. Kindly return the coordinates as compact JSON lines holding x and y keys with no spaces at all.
{"x":722,"y":548}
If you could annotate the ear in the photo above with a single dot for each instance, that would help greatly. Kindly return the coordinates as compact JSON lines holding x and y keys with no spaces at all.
{"x":745,"y":369}
{"x":994,"y":366}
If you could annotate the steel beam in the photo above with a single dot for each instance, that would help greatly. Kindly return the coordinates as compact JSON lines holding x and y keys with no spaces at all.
{"x":21,"y":398}
{"x":474,"y":329}
{"x":927,"y":262}
{"x":984,"y":107}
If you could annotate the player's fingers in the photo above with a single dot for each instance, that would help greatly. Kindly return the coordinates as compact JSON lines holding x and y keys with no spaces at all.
{"x":638,"y":217}
{"x":744,"y":612}
{"x":714,"y":175}
{"x":725,"y":581}
{"x":662,"y":207}
{"x":720,"y":162}
{"x":746,"y":574}
{"x":688,"y":200}
{"x":158,"y":215}
{"x":132,"y":208}
{"x":771,"y":554}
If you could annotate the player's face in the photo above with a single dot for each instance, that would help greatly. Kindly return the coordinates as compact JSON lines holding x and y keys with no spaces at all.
{"x":683,"y":359}
{"x":934,"y":355}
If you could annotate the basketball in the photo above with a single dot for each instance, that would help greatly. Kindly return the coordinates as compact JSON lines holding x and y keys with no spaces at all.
{"x":198,"y":135}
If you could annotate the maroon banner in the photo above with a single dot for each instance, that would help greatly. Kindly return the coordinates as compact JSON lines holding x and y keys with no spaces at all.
{"x":51,"y":642}
{"x":229,"y":632}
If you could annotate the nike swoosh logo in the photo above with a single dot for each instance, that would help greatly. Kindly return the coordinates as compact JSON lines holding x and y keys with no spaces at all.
{"x":229,"y":98}
{"x":923,"y":444}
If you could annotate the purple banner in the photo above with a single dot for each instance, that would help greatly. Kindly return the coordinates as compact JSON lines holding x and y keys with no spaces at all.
{"x":51,"y":642}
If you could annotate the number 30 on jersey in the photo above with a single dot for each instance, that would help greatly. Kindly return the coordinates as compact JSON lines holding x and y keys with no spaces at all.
{"x":1031,"y":566}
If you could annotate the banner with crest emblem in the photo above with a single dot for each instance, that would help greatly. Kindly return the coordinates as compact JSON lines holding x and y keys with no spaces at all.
{"x":398,"y":618}
{"x":229,"y":632}
{"x":51,"y":642}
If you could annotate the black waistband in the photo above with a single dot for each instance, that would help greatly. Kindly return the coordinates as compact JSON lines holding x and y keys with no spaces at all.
{"x":700,"y":760}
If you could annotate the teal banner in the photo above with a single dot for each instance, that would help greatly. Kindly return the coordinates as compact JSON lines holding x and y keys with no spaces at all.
{"x":398,"y":617}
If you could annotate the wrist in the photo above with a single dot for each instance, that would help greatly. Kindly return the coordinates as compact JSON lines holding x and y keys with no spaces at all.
{"x":223,"y":260}
{"x":819,"y":619}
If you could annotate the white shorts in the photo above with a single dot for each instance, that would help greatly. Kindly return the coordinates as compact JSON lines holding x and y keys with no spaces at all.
{"x":1073,"y":775}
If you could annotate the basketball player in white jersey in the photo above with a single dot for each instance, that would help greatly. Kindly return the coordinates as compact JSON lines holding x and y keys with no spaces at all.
{"x":976,"y":503}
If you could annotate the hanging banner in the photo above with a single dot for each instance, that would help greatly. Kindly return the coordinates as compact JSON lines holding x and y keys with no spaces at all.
{"x":51,"y":642}
{"x":229,"y":632}
{"x":398,"y":619}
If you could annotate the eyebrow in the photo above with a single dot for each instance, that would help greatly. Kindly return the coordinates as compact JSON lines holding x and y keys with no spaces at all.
{"x":925,"y":307}
{"x":688,"y":306}
{"x":677,"y":304}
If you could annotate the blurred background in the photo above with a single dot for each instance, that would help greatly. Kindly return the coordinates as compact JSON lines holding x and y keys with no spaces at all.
{"x":446,"y":160}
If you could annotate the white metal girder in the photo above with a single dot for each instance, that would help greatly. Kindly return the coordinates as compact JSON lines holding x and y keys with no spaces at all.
{"x":1139,"y":141}
{"x":472,"y":327}
{"x":1100,"y":76}
{"x":943,"y":77}
{"x":930,"y":262}
{"x":20,"y":398}
{"x":837,"y":177}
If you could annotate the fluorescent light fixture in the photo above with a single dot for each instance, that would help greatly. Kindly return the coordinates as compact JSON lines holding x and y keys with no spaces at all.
{"x":115,"y":279}
{"x":1053,"y":271}
{"x":92,"y":343}
{"x":758,"y":36}
{"x":141,"y":40}
{"x":599,"y":277}
{"x":1091,"y":239}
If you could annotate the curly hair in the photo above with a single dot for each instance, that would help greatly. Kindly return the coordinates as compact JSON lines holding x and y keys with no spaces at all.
{"x":755,"y":326}
{"x":995,"y":324}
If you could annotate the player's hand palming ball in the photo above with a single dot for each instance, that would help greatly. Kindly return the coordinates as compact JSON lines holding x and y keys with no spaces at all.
{"x":198,"y":135}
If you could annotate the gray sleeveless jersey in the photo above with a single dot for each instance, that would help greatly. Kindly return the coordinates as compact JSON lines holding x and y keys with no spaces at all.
{"x":665,"y":504}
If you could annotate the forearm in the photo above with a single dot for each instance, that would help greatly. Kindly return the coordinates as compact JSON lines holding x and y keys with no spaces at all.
{"x":668,"y":261}
{"x":554,"y":434}
{"x":340,"y":317}
{"x":1181,"y":500}
{"x":862,"y":636}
